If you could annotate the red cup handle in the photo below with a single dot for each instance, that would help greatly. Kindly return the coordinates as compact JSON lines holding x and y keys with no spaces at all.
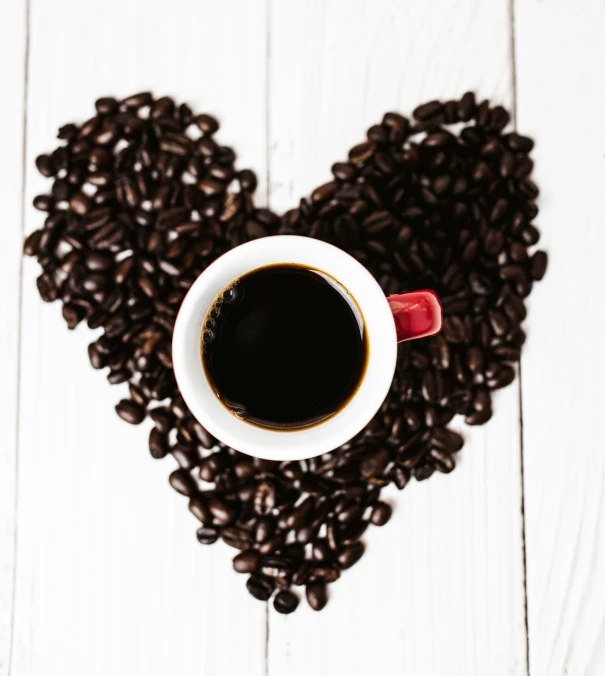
{"x":416,"y":314}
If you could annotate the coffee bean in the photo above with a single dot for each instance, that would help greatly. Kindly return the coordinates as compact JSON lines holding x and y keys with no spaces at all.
{"x":349,"y":556}
{"x":381,"y":513}
{"x":130,"y":411}
{"x":466,"y":107}
{"x":478,"y":417}
{"x":361,"y":152}
{"x":272,"y":545}
{"x":538,"y":265}
{"x":504,"y":377}
{"x":158,"y":444}
{"x":317,"y":596}
{"x":264,"y":498}
{"x":43,"y":202}
{"x":182,"y":482}
{"x":352,"y":532}
{"x":137,"y":100}
{"x":427,"y":110}
{"x":442,"y":461}
{"x":208,"y":535}
{"x":260,"y":587}
{"x":45,"y":165}
{"x":447,"y":440}
{"x":326,"y":573}
{"x":236,"y":537}
{"x":199,"y":509}
{"x":206,"y":124}
{"x":518,"y":143}
{"x":374,"y":462}
{"x":223,"y":511}
{"x":285,"y":602}
{"x":247,"y":562}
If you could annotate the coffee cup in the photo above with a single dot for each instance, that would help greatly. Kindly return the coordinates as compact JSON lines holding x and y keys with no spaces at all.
{"x":383,"y":322}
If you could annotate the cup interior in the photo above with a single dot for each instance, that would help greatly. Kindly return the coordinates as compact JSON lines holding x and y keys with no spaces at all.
{"x":275,"y":444}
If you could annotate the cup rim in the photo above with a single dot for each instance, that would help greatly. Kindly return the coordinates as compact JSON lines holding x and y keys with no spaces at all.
{"x":274,"y":444}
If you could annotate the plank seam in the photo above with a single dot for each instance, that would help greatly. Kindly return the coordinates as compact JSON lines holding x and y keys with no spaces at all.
{"x":20,"y":328}
{"x":513,"y":46}
{"x":268,"y":202}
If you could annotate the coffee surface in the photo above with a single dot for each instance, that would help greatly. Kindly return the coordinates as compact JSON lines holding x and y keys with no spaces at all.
{"x":283,"y":347}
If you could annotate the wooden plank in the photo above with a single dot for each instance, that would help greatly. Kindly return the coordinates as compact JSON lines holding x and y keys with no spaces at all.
{"x":440,"y":589}
{"x":111,"y":579}
{"x":560,"y":54}
{"x":13,"y":49}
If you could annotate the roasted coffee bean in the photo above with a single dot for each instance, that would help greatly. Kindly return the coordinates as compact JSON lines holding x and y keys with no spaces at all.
{"x":264,"y":498}
{"x":199,"y":509}
{"x":361,"y":152}
{"x":504,"y":377}
{"x":428,"y":110}
{"x":301,"y":514}
{"x":208,"y":535}
{"x":317,"y":595}
{"x":158,"y":444}
{"x":182,"y":482}
{"x":43,"y":202}
{"x":324,"y":572}
{"x":247,"y":562}
{"x":351,"y":532}
{"x":223,"y":511}
{"x":236,"y":537}
{"x":518,"y":143}
{"x":443,"y":462}
{"x":538,"y":265}
{"x":137,"y":100}
{"x":446,"y":439}
{"x":478,"y":417}
{"x":285,"y":602}
{"x":272,"y":544}
{"x":185,"y":457}
{"x":260,"y":587}
{"x":374,"y":462}
{"x":349,"y":556}
{"x":381,"y":513}
{"x":206,"y":123}
{"x":130,"y":411}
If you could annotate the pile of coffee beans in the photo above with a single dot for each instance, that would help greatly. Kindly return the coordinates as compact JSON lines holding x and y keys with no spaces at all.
{"x":144,"y":198}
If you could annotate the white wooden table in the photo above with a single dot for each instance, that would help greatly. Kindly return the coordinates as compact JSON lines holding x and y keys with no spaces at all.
{"x":496,"y":569}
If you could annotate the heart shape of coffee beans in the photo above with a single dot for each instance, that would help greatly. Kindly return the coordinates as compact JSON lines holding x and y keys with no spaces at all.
{"x":144,"y":199}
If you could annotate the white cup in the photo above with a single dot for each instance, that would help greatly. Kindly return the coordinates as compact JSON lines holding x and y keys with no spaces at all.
{"x":296,"y":444}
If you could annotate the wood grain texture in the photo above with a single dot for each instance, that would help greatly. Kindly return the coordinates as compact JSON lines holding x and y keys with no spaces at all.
{"x":440,"y":588}
{"x":13,"y":40}
{"x":560,"y":55}
{"x":111,"y":579}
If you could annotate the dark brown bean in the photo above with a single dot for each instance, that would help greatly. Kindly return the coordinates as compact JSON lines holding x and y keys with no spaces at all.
{"x":285,"y":602}
{"x":158,"y":444}
{"x":223,"y":511}
{"x":130,"y":411}
{"x":381,"y":513}
{"x":260,"y":587}
{"x":182,"y":482}
{"x":349,"y":556}
{"x":208,"y":535}
{"x":317,"y":595}
{"x":247,"y":562}
{"x":428,"y":110}
{"x":539,"y":262}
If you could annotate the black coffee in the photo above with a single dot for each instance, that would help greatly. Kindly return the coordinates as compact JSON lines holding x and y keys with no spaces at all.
{"x":284,"y":346}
